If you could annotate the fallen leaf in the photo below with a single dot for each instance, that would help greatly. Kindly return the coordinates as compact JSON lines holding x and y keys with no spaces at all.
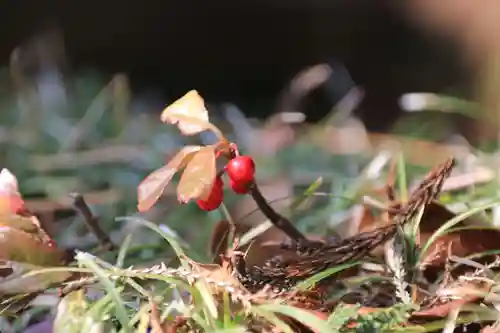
{"x":460,"y":243}
{"x":364,"y":219}
{"x":198,"y":177}
{"x":23,"y":247}
{"x":17,"y":283}
{"x":23,"y":223}
{"x":189,"y":113}
{"x":151,"y":188}
{"x":442,"y":310}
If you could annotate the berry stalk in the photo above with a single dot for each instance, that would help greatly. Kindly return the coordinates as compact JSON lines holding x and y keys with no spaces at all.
{"x":277,"y":219}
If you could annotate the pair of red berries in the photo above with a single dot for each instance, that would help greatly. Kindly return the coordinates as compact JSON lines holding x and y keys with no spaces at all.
{"x":241,"y":171}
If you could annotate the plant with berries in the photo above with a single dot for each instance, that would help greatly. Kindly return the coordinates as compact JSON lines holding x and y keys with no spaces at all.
{"x":200,"y":180}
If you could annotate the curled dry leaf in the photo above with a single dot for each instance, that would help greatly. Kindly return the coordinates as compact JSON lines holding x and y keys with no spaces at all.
{"x":23,"y":223}
{"x":151,"y":188}
{"x":189,"y":113}
{"x":24,"y":241}
{"x":198,"y":177}
{"x":24,"y":247}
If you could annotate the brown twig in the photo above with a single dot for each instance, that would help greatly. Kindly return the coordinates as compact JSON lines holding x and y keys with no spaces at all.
{"x":277,"y":219}
{"x":91,"y":221}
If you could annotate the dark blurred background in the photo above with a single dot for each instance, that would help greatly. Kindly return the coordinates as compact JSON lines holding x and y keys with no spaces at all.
{"x":246,"y":51}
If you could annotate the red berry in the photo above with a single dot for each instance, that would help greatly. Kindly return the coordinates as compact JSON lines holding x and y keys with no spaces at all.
{"x":215,"y":198}
{"x":239,"y":187}
{"x":218,"y":183}
{"x":241,"y":169}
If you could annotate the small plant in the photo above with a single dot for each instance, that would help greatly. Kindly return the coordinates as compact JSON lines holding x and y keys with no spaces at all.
{"x":200,"y":180}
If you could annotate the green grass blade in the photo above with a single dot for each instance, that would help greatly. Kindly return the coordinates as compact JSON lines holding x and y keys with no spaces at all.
{"x":174,"y":243}
{"x":207,"y":298}
{"x":121,"y":312}
{"x":272,"y":318}
{"x":402,"y":181}
{"x":310,"y":282}
{"x":123,"y":251}
{"x":301,"y":315}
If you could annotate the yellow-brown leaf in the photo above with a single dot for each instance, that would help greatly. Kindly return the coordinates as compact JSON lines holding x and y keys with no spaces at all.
{"x":153,"y":186}
{"x":198,"y":177}
{"x":189,"y":113}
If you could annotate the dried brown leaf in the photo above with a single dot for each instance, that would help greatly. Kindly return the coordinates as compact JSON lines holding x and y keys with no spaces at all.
{"x":365,"y":219}
{"x":460,"y":243}
{"x":442,"y":310}
{"x":189,"y":113}
{"x":151,"y":188}
{"x":24,"y":247}
{"x":219,"y":238}
{"x":198,"y":177}
{"x":23,"y":223}
{"x":260,"y":249}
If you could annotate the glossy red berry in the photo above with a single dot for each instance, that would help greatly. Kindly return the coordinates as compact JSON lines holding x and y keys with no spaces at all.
{"x":241,"y":169}
{"x":215,"y":198}
{"x":239,"y":187}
